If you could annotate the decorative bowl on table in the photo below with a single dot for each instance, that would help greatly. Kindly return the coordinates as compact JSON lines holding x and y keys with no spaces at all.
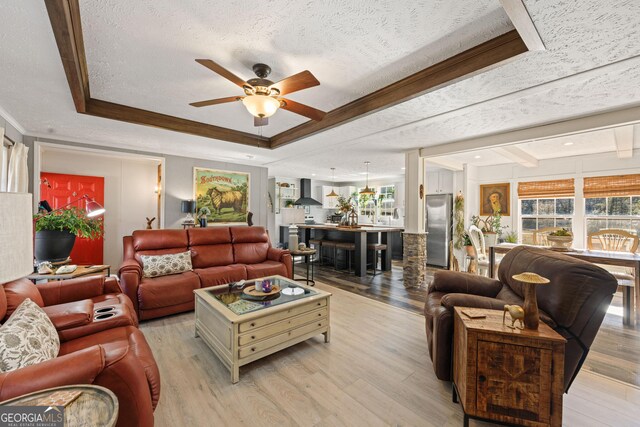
{"x":560,"y":240}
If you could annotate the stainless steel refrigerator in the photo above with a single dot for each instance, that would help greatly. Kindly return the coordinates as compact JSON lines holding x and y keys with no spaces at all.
{"x":438,"y":208}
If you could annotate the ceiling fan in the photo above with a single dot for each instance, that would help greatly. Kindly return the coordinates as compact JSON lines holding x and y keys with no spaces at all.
{"x":264,"y":97}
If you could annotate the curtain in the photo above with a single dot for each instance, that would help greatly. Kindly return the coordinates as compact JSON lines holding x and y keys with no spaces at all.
{"x":18,"y":176}
{"x":611,"y":186}
{"x":543,"y":189}
{"x":4,"y":162}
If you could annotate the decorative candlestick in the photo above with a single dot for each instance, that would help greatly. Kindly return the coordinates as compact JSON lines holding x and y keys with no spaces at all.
{"x":530,"y":280}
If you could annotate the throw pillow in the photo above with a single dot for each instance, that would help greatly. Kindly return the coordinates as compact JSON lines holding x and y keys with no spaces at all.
{"x":164,"y":265}
{"x":27,"y":338}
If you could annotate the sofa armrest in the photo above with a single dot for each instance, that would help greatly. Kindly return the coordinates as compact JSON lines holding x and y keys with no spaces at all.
{"x":79,"y":367}
{"x":71,"y":314}
{"x":465,"y":283}
{"x":130,"y":274}
{"x":276,"y":254}
{"x":476,"y":301}
{"x":283,"y":256}
{"x":64,"y":291}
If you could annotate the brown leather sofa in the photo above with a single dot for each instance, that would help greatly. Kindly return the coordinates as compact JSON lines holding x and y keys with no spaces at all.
{"x":95,"y":348}
{"x":219,"y":255}
{"x":574,"y":303}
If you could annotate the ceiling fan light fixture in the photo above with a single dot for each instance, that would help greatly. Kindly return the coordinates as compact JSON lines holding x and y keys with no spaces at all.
{"x":261,"y":105}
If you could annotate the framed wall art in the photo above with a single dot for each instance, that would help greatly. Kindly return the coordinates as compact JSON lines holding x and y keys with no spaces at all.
{"x":222,"y":195}
{"x":494,"y":198}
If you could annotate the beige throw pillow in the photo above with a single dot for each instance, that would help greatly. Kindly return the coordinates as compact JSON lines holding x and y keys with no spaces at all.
{"x":28,"y":337}
{"x":164,"y":265}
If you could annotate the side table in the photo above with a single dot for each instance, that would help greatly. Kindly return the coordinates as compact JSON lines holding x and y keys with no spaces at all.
{"x":82,"y":270}
{"x":507,"y":375}
{"x":96,"y":406}
{"x":306,"y":254}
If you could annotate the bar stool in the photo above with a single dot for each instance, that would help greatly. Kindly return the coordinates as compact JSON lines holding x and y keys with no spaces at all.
{"x":317,"y":245}
{"x":327,"y":244}
{"x":346,"y":246}
{"x":377,"y":248}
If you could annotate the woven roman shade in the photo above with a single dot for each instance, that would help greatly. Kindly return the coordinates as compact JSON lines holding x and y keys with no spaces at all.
{"x":546,"y":189}
{"x":609,"y":186}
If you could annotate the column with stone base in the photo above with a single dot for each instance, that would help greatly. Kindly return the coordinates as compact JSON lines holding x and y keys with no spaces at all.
{"x":414,"y":249}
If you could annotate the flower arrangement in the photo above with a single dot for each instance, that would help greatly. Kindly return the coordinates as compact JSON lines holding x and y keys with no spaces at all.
{"x":344,"y":205}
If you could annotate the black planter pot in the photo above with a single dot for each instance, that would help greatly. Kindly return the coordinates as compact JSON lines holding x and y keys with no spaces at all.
{"x":54,"y":245}
{"x":203,"y":222}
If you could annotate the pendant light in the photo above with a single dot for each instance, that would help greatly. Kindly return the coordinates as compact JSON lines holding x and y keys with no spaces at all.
{"x":366,"y":190}
{"x":333,"y":179}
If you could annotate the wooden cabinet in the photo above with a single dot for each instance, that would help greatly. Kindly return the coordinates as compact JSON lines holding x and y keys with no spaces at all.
{"x":439,"y":182}
{"x":507,"y":375}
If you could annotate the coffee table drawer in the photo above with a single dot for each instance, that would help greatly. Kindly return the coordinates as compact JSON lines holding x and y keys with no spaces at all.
{"x":275,"y":317}
{"x":281,"y":338}
{"x":283,"y":325}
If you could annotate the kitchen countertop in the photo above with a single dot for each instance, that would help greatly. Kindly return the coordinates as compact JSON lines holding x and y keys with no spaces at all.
{"x":365,"y":228}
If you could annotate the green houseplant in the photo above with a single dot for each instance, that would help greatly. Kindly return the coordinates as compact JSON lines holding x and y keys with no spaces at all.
{"x":56,"y":232}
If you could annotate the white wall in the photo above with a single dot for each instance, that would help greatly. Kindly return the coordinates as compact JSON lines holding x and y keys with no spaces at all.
{"x":129,"y":192}
{"x":576,"y":167}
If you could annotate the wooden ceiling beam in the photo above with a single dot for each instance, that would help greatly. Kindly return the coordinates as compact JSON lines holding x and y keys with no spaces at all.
{"x":67,"y":30}
{"x":66,"y":24}
{"x":464,"y":64}
{"x":124,"y":113}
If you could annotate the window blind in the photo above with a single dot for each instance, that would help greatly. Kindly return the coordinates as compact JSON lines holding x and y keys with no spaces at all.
{"x":546,"y":189}
{"x":610,"y":186}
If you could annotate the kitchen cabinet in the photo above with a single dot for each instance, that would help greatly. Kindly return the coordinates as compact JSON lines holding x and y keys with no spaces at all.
{"x":439,"y":182}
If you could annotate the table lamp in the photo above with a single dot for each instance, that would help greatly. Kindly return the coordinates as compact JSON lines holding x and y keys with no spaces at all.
{"x":16,"y":236}
{"x":188,"y":207}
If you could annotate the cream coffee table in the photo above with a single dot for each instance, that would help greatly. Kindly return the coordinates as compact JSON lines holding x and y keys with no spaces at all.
{"x":240,"y":331}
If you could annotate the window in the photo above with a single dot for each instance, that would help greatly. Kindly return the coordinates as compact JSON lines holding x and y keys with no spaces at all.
{"x":545,"y":204}
{"x":621,"y":212}
{"x":366,"y":202}
{"x":386,"y":199}
{"x":612,"y":202}
{"x":543,"y":213}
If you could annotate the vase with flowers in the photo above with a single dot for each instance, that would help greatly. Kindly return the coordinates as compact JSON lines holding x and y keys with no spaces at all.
{"x":344,"y":206}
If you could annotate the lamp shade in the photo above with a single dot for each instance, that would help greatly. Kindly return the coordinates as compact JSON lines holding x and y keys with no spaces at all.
{"x":16,"y":236}
{"x":261,"y":105}
{"x":188,"y":206}
{"x":93,"y":208}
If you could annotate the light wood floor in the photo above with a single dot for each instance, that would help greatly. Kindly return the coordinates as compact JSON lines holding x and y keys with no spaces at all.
{"x":615,"y":352}
{"x":374,"y":372}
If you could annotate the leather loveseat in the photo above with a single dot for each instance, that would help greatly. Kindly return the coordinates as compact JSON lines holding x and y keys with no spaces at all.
{"x":99,"y":344}
{"x":219,"y":255}
{"x":574,"y":303}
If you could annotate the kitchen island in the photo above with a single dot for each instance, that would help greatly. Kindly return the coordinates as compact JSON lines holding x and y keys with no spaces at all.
{"x":360,"y":236}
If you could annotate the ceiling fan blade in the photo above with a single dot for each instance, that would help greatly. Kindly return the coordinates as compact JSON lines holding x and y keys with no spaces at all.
{"x":303,"y":110}
{"x":302,"y":80}
{"x":216,"y":101}
{"x":223,"y":72}
{"x":260,"y":121}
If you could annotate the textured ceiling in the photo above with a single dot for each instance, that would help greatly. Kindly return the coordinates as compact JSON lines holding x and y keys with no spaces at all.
{"x":141,"y":53}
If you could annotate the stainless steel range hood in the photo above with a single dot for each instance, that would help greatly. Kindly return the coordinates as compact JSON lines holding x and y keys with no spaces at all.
{"x":305,"y":194}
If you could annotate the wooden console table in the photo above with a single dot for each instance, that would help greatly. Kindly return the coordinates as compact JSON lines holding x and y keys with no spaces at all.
{"x":507,"y":375}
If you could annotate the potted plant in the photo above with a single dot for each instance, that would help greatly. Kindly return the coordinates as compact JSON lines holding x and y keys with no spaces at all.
{"x":560,"y":240}
{"x":511,"y":237}
{"x":491,"y":227}
{"x":203,"y":216}
{"x":288,"y":204}
{"x":345,"y":206}
{"x":468,"y":246}
{"x":56,"y":232}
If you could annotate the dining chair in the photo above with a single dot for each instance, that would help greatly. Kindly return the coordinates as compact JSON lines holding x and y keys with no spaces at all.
{"x":616,"y":240}
{"x":540,"y":235}
{"x":480,"y":248}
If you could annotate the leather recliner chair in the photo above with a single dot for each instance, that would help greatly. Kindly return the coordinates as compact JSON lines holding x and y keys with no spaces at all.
{"x":110,"y":352}
{"x":574,"y":303}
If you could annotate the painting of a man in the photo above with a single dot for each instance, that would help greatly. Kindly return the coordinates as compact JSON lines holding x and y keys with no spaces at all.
{"x":494,"y":198}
